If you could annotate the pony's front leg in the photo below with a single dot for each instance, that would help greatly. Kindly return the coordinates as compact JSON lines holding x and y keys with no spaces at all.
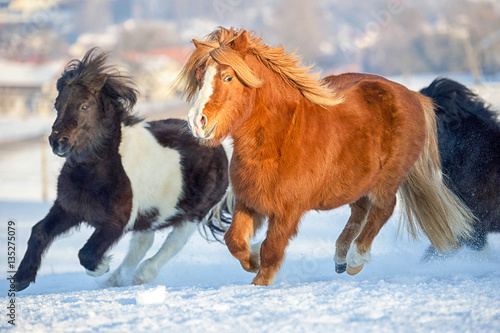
{"x":359,"y":211}
{"x":92,"y":254}
{"x":245,"y":224}
{"x":272,"y":251}
{"x":149,"y":269}
{"x":140,"y":243}
{"x":43,"y":233}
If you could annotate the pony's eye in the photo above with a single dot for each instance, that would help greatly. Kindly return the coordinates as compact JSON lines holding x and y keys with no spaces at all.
{"x":228,"y":79}
{"x":84,"y":107}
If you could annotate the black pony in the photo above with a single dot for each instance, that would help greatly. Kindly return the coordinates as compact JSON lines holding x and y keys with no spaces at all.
{"x":469,"y":144}
{"x":122,"y":173}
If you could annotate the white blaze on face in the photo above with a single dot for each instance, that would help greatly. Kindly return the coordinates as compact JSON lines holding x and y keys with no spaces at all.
{"x":196,"y":111}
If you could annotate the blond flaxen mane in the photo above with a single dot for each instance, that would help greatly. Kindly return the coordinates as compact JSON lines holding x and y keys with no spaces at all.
{"x":216,"y":48}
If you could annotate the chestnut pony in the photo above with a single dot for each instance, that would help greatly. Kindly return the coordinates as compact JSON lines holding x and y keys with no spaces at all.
{"x":303,"y":144}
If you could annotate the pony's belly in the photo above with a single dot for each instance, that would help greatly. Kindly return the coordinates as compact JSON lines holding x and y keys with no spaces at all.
{"x":155,"y":175}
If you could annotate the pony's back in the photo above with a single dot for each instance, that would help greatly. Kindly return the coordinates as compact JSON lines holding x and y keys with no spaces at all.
{"x":455,"y":102}
{"x":469,"y":144}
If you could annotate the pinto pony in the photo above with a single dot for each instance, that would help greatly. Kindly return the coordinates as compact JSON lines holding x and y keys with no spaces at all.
{"x":122,"y":173}
{"x":469,"y":145}
{"x":303,"y":144}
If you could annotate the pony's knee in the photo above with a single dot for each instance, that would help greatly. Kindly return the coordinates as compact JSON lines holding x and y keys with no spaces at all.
{"x":235,"y":244}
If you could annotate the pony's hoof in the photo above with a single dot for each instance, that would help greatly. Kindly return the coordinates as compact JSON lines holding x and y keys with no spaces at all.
{"x":340,"y":268}
{"x":354,"y":270}
{"x":114,"y":282}
{"x":254,"y":263}
{"x":137,"y":281}
{"x":102,"y":269}
{"x":258,"y":281}
{"x":250,"y":266}
{"x":21,"y":285}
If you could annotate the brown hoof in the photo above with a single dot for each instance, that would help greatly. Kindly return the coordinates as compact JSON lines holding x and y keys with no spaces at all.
{"x":261,"y":282}
{"x":250,"y":266}
{"x":354,"y":270}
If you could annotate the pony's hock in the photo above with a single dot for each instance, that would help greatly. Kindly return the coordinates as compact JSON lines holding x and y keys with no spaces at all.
{"x":124,"y":174}
{"x":377,"y":138}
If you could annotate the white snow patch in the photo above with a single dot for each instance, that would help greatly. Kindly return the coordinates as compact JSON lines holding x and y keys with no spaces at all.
{"x":155,"y":295}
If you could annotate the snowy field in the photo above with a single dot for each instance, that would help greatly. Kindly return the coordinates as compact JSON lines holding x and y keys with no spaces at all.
{"x":204,"y":289}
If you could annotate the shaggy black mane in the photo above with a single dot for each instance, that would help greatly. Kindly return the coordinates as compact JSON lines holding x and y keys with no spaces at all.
{"x":118,"y":87}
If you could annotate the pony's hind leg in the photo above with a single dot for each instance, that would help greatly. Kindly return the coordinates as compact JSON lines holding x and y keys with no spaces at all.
{"x":359,"y":253}
{"x":272,"y":251}
{"x":140,"y":243}
{"x":149,"y":269}
{"x":245,"y":224}
{"x":359,"y":211}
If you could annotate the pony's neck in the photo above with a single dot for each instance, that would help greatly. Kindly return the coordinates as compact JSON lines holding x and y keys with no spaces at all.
{"x":276,"y":102}
{"x":276,"y":110}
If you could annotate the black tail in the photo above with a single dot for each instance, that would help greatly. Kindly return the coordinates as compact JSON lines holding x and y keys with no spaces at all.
{"x":455,"y":101}
{"x":218,"y":220}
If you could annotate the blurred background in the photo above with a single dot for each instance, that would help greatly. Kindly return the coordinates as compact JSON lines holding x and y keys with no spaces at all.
{"x":411,"y":42}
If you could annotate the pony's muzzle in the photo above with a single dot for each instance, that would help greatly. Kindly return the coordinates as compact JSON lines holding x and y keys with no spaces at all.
{"x":198,"y":126}
{"x":59,"y":144}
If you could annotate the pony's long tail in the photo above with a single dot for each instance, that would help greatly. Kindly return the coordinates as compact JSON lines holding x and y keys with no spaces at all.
{"x":428,"y":204}
{"x":218,"y":220}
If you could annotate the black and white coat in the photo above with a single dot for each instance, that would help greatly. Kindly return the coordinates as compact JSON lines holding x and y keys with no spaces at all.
{"x":124,"y":174}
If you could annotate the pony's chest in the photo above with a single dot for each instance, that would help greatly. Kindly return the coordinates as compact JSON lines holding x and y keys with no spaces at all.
{"x":90,"y":193}
{"x":255,"y":183}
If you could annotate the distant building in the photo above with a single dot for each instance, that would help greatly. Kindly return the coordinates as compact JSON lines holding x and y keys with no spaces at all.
{"x":28,"y":88}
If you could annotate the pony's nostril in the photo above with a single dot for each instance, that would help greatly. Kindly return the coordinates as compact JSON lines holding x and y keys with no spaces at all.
{"x":64,"y":139}
{"x":203,"y":121}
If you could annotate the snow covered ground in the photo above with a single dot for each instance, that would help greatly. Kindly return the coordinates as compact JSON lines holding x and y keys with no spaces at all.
{"x":204,"y":289}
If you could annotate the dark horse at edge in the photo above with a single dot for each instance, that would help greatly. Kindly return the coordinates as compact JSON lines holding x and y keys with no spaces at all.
{"x":124,"y":174}
{"x":469,"y":145}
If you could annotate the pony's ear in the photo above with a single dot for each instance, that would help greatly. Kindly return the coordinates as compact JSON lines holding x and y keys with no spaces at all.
{"x":98,"y":82}
{"x":60,"y":84}
{"x":240,"y":43}
{"x":196,"y":43}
